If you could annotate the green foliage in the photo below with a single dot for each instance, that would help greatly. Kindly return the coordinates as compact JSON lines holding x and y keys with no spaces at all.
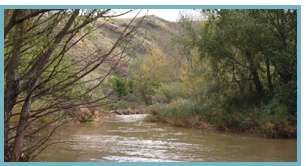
{"x":233,"y":79}
{"x":120,"y":86}
{"x":276,"y":119}
{"x":235,"y":71}
{"x":148,"y":72}
{"x":180,"y":112}
{"x":168,"y":92}
{"x":119,"y":104}
{"x":179,"y":109}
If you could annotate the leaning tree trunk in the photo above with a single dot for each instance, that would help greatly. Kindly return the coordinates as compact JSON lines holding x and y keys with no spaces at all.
{"x":11,"y":77}
{"x":21,"y":129}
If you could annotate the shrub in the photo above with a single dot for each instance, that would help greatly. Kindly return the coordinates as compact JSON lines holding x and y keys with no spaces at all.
{"x":120,"y":86}
{"x":275,"y":120}
{"x":170,"y":91}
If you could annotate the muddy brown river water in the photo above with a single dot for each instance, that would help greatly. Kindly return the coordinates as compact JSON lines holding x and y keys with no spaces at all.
{"x":128,"y":138}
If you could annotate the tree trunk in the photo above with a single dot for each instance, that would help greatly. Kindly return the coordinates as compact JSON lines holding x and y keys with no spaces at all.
{"x":254,"y":74}
{"x":21,"y":129}
{"x":268,"y":72}
{"x":241,"y":88}
{"x":11,"y":76}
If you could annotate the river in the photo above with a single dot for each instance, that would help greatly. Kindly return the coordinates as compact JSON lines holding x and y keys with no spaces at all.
{"x":128,"y":138}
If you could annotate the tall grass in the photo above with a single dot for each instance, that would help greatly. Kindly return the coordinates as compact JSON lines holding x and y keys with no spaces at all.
{"x":267,"y":119}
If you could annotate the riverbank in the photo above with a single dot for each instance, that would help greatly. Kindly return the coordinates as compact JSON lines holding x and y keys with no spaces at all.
{"x":88,"y":113}
{"x":248,"y":122}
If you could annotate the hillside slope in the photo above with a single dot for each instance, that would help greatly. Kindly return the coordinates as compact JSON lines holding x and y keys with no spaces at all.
{"x":152,"y":32}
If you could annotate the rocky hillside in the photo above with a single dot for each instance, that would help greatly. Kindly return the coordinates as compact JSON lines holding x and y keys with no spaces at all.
{"x":152,"y":32}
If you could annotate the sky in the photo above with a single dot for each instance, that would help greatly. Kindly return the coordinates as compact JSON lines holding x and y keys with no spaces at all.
{"x":167,"y":14}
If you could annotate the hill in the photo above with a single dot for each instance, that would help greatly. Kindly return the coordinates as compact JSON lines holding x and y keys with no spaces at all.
{"x":152,"y":32}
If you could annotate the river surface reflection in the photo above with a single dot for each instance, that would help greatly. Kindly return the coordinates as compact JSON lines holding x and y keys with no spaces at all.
{"x":127,"y":138}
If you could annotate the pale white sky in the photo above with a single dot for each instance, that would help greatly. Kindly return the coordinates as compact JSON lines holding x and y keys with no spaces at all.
{"x":167,"y":14}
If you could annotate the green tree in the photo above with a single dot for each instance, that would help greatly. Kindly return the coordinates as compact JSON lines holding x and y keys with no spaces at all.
{"x":149,"y":72}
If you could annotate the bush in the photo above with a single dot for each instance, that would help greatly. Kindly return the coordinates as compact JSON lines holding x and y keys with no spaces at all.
{"x":271,"y":118}
{"x":275,"y":120}
{"x":120,"y":104}
{"x":170,"y":91}
{"x":180,"y":108}
{"x":180,"y":112}
{"x":120,"y":86}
